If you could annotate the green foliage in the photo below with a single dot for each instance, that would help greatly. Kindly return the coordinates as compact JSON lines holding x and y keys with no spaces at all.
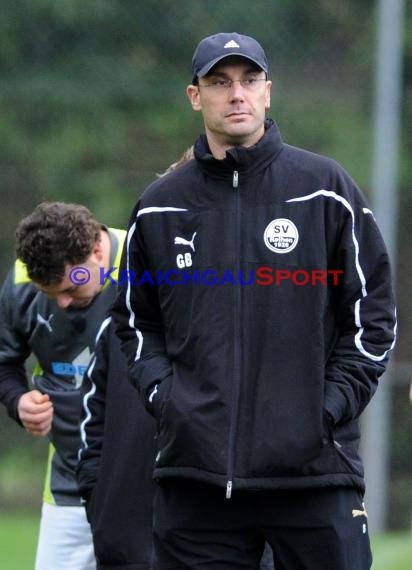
{"x":400,"y":491}
{"x":92,"y":93}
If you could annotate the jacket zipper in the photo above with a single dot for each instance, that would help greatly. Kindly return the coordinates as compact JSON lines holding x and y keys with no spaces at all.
{"x":236,"y":350}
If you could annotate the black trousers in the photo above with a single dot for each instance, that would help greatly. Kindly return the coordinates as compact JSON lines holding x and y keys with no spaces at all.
{"x":197,"y":528}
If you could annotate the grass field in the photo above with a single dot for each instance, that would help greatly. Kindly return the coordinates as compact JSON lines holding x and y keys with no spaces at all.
{"x":18,"y":536}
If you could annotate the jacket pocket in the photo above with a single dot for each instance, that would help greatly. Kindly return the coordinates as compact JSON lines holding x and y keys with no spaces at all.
{"x":354,"y":466}
{"x":160,"y":397}
{"x":328,"y":438}
{"x":346,"y":459}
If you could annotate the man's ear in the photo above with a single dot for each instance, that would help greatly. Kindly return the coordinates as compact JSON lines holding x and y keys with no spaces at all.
{"x":97,"y":250}
{"x":194,"y":97}
{"x":267,"y":95}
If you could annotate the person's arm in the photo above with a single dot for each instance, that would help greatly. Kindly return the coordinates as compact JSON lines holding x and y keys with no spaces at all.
{"x":13,"y":385}
{"x":367,"y":317}
{"x":139,"y":324}
{"x":29,"y":408}
{"x":93,"y":414}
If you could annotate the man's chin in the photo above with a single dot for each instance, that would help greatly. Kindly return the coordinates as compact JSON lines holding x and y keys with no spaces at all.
{"x":242,"y":130}
{"x":80,"y":305}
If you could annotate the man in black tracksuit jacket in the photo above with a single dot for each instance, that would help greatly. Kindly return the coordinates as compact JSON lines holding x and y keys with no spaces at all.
{"x":256,"y":311}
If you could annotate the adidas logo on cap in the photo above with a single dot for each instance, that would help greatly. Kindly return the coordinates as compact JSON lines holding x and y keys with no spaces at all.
{"x":231,"y":44}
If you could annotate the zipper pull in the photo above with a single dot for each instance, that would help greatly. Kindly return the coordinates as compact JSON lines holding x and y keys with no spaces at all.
{"x":229,"y":489}
{"x":235,"y":179}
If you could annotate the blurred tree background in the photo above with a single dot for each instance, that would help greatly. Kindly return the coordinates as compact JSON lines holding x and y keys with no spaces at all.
{"x":93,"y":105}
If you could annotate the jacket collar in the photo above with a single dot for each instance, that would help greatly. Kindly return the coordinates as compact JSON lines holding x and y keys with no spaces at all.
{"x":246,"y":160}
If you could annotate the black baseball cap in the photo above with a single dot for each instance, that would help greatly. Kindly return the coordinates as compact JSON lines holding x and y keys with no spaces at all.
{"x":215,"y":48}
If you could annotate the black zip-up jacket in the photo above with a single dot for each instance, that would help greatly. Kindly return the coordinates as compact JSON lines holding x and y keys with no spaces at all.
{"x":116,"y":460}
{"x":256,"y":311}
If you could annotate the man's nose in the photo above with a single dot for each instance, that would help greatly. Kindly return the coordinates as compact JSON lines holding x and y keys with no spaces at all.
{"x":236,"y":89}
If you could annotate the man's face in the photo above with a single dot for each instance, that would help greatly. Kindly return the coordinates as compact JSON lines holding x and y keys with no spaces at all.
{"x":78,"y":288}
{"x":232,"y":115}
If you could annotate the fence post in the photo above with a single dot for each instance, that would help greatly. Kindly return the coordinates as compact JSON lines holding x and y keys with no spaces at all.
{"x":376,"y":421}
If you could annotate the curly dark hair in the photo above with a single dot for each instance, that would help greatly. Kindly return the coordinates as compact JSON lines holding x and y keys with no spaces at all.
{"x":53,"y":235}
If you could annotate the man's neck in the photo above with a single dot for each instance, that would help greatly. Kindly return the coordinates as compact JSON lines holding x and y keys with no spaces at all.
{"x":218,"y":148}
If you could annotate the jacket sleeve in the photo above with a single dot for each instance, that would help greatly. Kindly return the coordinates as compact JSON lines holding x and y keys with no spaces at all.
{"x":138,"y":321}
{"x":367,"y":316}
{"x":93,"y":414}
{"x":14,"y":349}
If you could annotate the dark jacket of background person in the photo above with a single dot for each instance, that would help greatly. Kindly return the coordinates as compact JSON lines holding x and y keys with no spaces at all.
{"x":256,"y":386}
{"x":116,"y":460}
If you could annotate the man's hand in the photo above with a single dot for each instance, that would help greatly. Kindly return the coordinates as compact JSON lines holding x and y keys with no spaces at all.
{"x":35,"y":412}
